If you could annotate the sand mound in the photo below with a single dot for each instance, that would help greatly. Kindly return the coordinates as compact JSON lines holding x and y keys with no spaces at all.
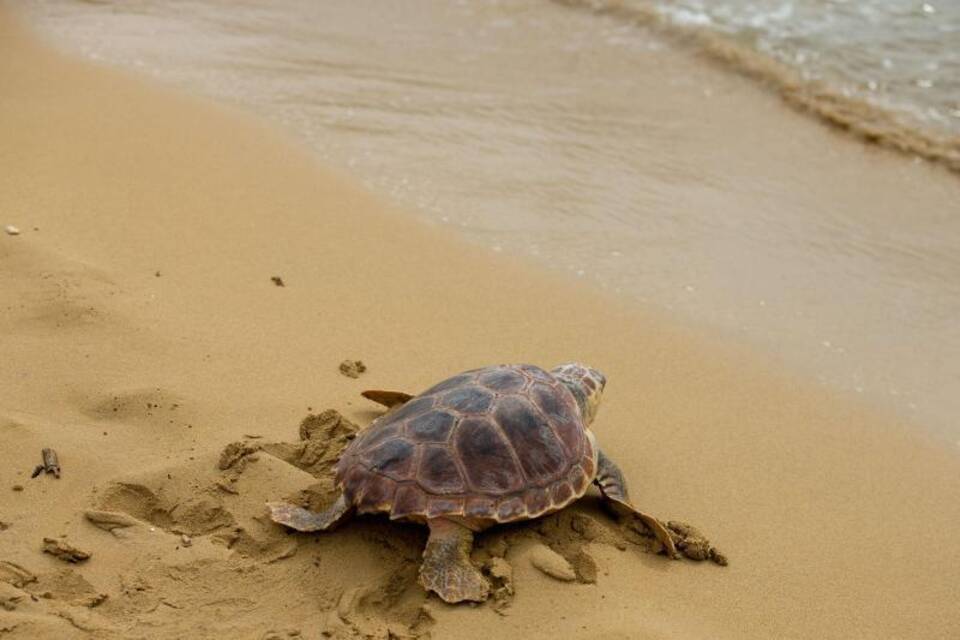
{"x":187,"y":550}
{"x":55,"y":293}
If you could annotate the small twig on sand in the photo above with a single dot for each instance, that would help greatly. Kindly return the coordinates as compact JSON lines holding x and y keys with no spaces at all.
{"x":51,"y":464}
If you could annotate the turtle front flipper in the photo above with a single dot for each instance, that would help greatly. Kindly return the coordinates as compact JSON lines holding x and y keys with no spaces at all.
{"x":388,"y":399}
{"x":446,"y":568}
{"x":302,"y":519}
{"x":613,"y":486}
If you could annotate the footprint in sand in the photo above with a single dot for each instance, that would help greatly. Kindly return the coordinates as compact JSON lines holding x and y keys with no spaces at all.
{"x":138,"y":406}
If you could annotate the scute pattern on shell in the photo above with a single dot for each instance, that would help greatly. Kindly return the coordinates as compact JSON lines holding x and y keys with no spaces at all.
{"x":501,"y":443}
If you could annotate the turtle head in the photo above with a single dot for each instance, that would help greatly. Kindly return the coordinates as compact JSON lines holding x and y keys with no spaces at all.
{"x":585,"y":383}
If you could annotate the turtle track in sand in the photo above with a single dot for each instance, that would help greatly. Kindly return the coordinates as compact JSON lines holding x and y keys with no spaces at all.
{"x":568,"y":534}
{"x":192,"y":552}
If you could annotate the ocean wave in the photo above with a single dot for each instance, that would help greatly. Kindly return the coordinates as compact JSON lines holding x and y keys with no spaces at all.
{"x":871,"y":122}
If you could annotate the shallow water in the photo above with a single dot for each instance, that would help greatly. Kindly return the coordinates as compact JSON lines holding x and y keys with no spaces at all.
{"x":583,"y":141}
{"x":901,"y":54}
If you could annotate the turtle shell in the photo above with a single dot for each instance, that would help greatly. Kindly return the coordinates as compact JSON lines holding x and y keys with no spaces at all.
{"x":492,"y":445}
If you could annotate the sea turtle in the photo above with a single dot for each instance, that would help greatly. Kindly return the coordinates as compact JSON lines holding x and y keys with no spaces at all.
{"x":485,"y":447}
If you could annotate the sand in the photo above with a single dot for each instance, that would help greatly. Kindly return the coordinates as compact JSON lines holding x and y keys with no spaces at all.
{"x":143,"y":332}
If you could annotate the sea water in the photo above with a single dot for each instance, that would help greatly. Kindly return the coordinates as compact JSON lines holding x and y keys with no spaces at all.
{"x":901,"y":54}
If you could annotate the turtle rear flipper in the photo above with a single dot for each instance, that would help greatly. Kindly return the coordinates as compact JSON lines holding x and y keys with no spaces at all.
{"x":388,"y":399}
{"x":614,"y":489}
{"x":301,"y":519}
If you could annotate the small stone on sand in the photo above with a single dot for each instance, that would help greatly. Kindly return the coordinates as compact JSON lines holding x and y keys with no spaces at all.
{"x":64,"y":550}
{"x":94,"y":601}
{"x":352,"y":368}
{"x":552,"y":563}
{"x":234,"y":453}
{"x":693,"y":544}
{"x":11,"y":230}
{"x":326,"y":426}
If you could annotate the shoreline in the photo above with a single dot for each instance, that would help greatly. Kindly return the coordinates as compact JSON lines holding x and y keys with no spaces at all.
{"x":814,"y":499}
{"x":869,"y":123}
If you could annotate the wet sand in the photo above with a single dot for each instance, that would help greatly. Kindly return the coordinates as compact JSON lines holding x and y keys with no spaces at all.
{"x":142,"y":333}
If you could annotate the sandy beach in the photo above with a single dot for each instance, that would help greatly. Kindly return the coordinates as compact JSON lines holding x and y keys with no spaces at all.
{"x":142,"y":333}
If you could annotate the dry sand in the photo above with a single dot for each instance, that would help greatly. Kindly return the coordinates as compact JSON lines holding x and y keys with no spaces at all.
{"x":141,"y":332}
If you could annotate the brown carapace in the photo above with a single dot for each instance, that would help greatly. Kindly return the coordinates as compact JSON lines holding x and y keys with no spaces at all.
{"x":488,"y":446}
